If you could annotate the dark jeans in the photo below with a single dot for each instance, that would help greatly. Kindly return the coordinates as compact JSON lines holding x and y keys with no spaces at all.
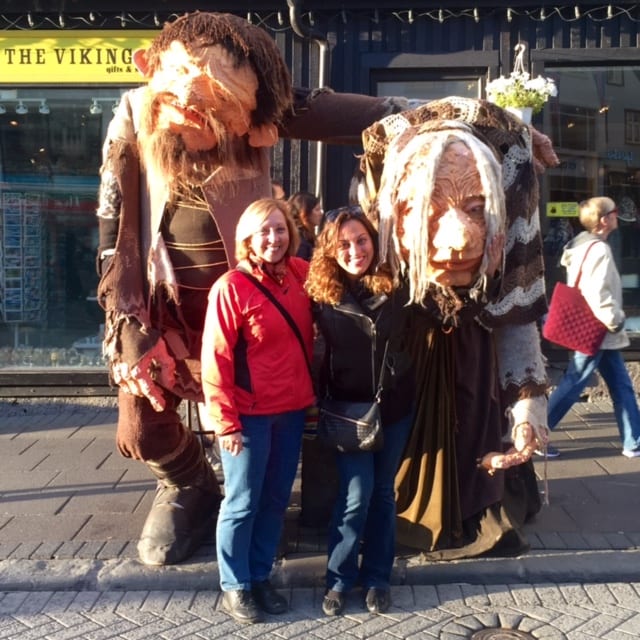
{"x":365,"y":510}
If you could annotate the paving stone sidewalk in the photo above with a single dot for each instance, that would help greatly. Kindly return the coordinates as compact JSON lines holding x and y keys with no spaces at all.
{"x":543,"y":611}
{"x":72,"y":508}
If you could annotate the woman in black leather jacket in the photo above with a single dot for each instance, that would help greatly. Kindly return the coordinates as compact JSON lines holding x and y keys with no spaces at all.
{"x":358,"y":310}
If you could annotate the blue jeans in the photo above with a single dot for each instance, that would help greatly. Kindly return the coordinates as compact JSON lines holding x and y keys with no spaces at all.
{"x":365,"y":509}
{"x":610,"y":364}
{"x":257,"y":487}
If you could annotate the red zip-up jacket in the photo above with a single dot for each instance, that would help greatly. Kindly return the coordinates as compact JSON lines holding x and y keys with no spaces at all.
{"x":252,"y":362}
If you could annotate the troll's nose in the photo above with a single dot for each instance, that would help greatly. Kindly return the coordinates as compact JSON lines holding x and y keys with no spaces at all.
{"x":455,"y":230}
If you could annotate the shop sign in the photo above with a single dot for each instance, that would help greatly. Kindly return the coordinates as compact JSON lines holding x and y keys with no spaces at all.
{"x":562,"y":209}
{"x":71,"y":57}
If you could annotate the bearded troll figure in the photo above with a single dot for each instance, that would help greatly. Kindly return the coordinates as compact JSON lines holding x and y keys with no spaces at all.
{"x":452,"y":185}
{"x":184,"y":156}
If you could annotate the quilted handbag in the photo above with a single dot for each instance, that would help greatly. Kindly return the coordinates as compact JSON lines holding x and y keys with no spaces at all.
{"x":353,"y":426}
{"x":350,"y":426}
{"x":570,"y":322}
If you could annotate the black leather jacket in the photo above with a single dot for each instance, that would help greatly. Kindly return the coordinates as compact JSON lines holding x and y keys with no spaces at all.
{"x":355,"y":333}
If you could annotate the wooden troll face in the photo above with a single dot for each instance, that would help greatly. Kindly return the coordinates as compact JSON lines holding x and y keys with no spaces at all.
{"x":441,"y":208}
{"x":212,"y":78}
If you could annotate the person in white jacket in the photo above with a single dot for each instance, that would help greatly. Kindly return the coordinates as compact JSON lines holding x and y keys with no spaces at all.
{"x":602,"y":289}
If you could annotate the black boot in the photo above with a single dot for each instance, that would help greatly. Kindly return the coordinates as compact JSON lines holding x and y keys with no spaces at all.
{"x":185,"y":507}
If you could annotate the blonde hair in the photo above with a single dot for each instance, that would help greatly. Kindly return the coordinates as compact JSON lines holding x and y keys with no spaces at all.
{"x":327,"y":281}
{"x":593,"y":209}
{"x":251,"y":220}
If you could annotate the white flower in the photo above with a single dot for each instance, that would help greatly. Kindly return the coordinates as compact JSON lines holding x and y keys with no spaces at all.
{"x":520,"y":90}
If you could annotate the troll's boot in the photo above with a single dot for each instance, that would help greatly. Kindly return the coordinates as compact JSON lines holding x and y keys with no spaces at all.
{"x":185,"y":507}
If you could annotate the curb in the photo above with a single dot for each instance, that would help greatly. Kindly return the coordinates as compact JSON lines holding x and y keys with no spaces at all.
{"x":307,"y":570}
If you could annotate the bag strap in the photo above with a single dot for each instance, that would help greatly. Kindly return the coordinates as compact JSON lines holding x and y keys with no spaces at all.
{"x":281,"y":309}
{"x":577,"y":282}
{"x":382,"y":366}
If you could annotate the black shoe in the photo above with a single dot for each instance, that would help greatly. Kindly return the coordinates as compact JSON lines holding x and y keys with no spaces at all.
{"x":333,"y":603}
{"x":241,"y":606}
{"x":377,"y":600}
{"x":267,"y":598}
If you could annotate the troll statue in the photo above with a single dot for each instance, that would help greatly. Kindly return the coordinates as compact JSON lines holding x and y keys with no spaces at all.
{"x":183,"y":157}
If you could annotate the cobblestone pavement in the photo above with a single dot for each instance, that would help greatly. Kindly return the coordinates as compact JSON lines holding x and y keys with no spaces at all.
{"x":447,"y":612}
{"x":71,"y":510}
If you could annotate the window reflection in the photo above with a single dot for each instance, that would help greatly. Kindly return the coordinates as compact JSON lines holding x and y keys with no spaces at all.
{"x":594,"y":124}
{"x":50,"y":154}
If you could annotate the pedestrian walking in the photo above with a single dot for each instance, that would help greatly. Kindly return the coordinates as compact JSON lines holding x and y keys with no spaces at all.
{"x":601,"y":287}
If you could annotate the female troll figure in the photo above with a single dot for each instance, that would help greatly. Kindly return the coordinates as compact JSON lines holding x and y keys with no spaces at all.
{"x":452,"y":185}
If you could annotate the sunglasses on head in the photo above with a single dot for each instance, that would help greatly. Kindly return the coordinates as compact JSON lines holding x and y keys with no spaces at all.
{"x":353,"y":210}
{"x":604,"y":215}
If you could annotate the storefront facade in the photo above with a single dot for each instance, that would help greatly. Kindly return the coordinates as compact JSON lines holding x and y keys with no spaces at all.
{"x":63,"y":70}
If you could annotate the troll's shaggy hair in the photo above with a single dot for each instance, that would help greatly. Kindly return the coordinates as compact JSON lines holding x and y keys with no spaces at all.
{"x":245,"y":42}
{"x":326,"y":282}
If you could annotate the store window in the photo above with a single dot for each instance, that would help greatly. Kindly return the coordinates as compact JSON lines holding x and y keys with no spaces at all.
{"x":50,"y":154}
{"x":428,"y":84}
{"x":594,"y":123}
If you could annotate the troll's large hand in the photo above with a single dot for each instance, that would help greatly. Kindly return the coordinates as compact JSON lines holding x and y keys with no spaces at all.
{"x":525,"y":443}
{"x":154,"y":370}
{"x":543,"y":154}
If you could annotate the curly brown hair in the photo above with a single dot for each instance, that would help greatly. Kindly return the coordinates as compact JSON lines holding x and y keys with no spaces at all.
{"x":326,"y":281}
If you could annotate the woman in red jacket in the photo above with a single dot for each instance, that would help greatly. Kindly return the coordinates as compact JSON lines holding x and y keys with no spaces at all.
{"x":257,"y":385}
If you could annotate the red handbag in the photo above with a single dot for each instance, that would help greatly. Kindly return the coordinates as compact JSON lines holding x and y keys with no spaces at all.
{"x":570,"y":321}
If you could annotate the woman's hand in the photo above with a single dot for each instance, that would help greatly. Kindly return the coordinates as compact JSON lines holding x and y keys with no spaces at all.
{"x":231,"y":442}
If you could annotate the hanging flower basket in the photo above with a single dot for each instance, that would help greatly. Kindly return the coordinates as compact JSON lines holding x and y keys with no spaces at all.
{"x":524,"y":113}
{"x":520,"y":89}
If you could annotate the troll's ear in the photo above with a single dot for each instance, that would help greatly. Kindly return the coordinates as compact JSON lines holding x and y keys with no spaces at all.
{"x":141,"y":62}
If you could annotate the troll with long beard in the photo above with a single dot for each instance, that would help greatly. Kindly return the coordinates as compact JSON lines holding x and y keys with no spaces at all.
{"x":453,"y":187}
{"x":184,"y":156}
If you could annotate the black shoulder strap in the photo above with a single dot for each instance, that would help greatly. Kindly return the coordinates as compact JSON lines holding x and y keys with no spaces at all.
{"x":282,"y":310}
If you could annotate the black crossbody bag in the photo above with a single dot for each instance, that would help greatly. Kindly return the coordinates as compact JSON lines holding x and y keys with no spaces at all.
{"x":353,"y":426}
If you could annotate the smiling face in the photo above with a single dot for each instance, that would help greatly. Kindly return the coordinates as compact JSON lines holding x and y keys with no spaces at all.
{"x":271,"y":241}
{"x":355,"y":250}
